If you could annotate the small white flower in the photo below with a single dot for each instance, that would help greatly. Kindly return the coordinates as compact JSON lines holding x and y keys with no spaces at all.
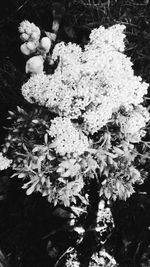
{"x":4,"y":162}
{"x":25,"y":50}
{"x":35,"y":65}
{"x":29,"y":31}
{"x":45,"y":43}
{"x":67,"y":138}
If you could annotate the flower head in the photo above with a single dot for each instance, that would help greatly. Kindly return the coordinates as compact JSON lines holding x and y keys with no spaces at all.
{"x":4,"y":162}
{"x":67,"y":138}
{"x":91,"y":83}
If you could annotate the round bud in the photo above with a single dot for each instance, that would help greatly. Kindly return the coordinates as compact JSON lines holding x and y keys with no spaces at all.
{"x":28,"y":30}
{"x":37,"y":30}
{"x":45,"y":43}
{"x":21,"y":29}
{"x":31,"y":46}
{"x":24,"y":37}
{"x":35,"y":65}
{"x":35,"y":36}
{"x":24,"y":49}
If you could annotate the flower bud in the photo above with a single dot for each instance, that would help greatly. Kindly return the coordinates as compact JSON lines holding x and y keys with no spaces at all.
{"x":35,"y":36}
{"x":24,"y":49}
{"x":31,"y":46}
{"x":45,"y":43}
{"x":28,"y":30}
{"x":24,"y":37}
{"x":34,"y":65}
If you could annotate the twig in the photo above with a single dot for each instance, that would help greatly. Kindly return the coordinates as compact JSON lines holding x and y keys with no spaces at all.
{"x":70,"y":249}
{"x":22,"y":5}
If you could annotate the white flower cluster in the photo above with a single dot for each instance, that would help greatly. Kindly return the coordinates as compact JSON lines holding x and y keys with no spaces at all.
{"x":102,"y":258}
{"x":29,"y":31}
{"x":30,"y":35}
{"x":134,"y":123}
{"x":72,"y":260}
{"x":91,"y":84}
{"x":112,"y":37}
{"x":37,"y":85}
{"x":4,"y":162}
{"x":67,"y":138}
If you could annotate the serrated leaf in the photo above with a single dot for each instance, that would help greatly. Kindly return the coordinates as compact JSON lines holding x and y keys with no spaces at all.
{"x":20,"y":119}
{"x":118,"y":184}
{"x":55,"y":201}
{"x":107,"y":193}
{"x":35,"y":121}
{"x":60,"y":179}
{"x":31,"y":130}
{"x":60,"y":169}
{"x":20,"y":109}
{"x":11,"y":113}
{"x":50,"y":157}
{"x":110,"y":160}
{"x":22,"y":175}
{"x":43,"y":179}
{"x":13,"y":175}
{"x":46,"y":138}
{"x":106,"y":172}
{"x":66,"y":201}
{"x":25,"y":148}
{"x":118,"y":150}
{"x":74,"y":200}
{"x":45,"y":193}
{"x":31,"y":189}
{"x":111,"y":154}
{"x":35,"y":149}
{"x":66,"y":174}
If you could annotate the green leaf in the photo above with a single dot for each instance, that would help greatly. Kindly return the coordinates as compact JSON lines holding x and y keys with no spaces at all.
{"x":118,"y":150}
{"x":13,"y":175}
{"x":35,"y":121}
{"x":107,"y":193}
{"x":35,"y":149}
{"x":30,"y":190}
{"x":11,"y":113}
{"x":46,"y":138}
{"x":22,"y":175}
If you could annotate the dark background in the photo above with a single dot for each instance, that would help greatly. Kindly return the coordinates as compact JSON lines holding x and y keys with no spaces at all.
{"x":24,"y":221}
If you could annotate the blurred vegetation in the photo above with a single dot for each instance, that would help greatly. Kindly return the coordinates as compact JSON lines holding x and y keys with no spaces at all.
{"x":24,"y":221}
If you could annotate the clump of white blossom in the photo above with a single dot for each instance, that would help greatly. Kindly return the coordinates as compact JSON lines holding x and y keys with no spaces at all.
{"x":72,"y":260}
{"x":91,"y":83}
{"x":67,"y":138}
{"x":30,"y":35}
{"x":98,"y":259}
{"x":133,"y":123}
{"x":4,"y":162}
{"x":102,"y":258}
{"x":98,"y":118}
{"x":33,"y":45}
{"x":29,"y":31}
{"x":104,"y":217}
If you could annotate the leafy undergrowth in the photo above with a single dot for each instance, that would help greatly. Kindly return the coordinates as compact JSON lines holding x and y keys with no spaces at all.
{"x":31,"y":232}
